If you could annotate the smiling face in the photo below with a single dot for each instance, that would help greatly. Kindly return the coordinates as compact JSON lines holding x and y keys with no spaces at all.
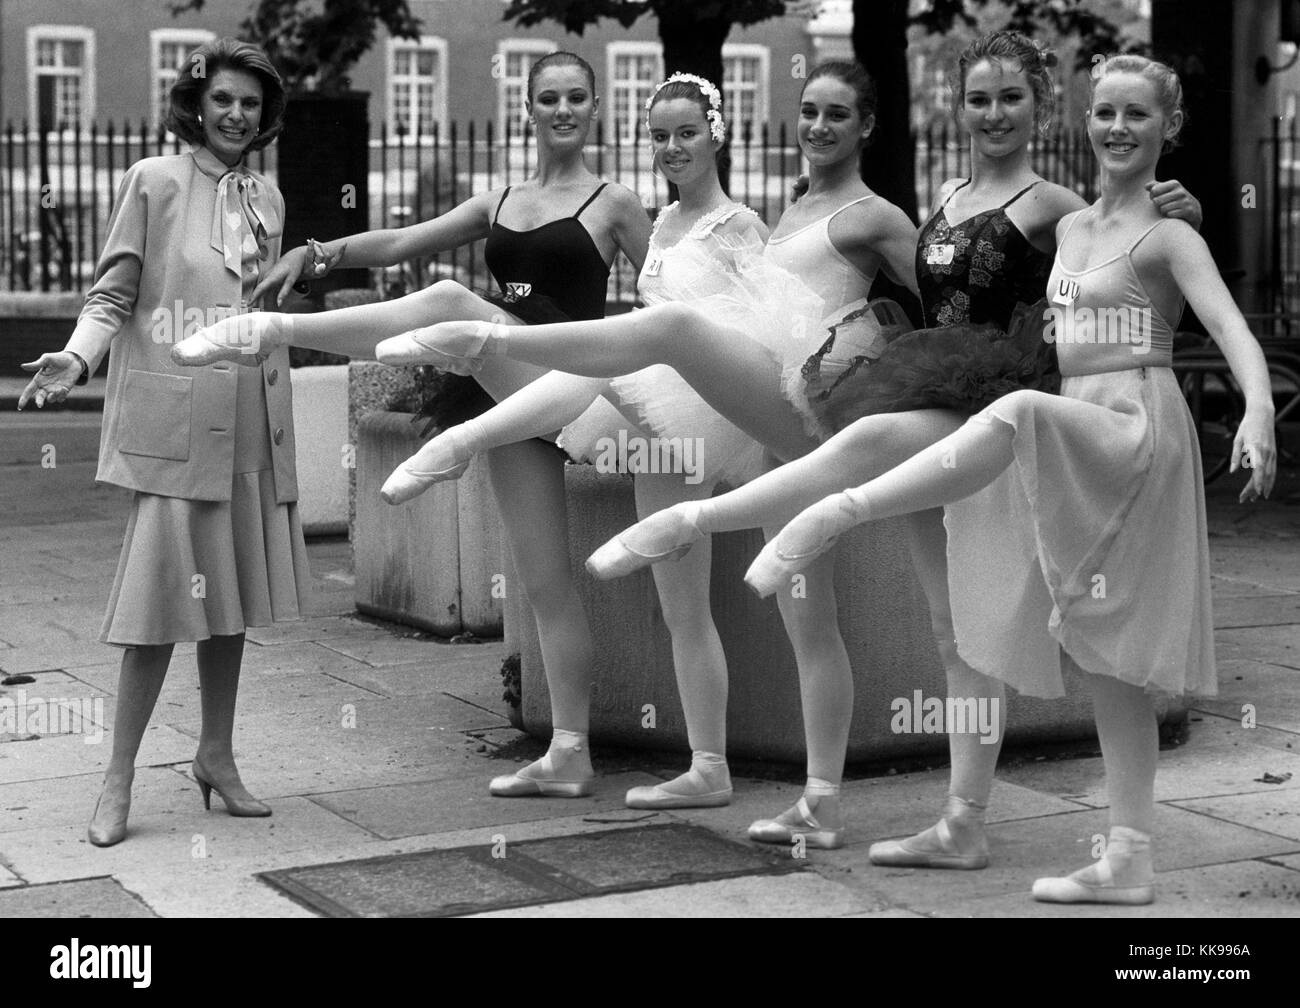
{"x":830,"y":128}
{"x":679,"y":135}
{"x":232,"y":111}
{"x":1126,"y":125}
{"x":562,"y":104}
{"x":998,"y":108}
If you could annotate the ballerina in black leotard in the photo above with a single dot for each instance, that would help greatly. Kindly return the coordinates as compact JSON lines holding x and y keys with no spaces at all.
{"x":548,"y":268}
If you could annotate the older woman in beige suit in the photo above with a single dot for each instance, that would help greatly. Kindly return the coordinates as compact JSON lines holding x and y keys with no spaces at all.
{"x":213,"y":542}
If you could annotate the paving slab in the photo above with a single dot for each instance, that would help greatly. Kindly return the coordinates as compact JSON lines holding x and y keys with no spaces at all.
{"x":1047,"y":846}
{"x":316,"y":628}
{"x":70,"y":801}
{"x":94,"y":897}
{"x":1192,"y":771}
{"x":391,"y":649}
{"x":1260,"y":610}
{"x":64,"y":756}
{"x":170,"y":844}
{"x":373,"y":742}
{"x":1239,"y":889}
{"x":801,"y":894}
{"x":1273,"y":645}
{"x":1277,"y":812}
{"x":1254,"y":690}
{"x":460,"y":802}
{"x":1264,"y":564}
{"x":473,"y":678}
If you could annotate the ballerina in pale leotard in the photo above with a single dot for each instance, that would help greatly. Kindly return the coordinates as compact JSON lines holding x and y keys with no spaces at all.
{"x":1108,"y":502}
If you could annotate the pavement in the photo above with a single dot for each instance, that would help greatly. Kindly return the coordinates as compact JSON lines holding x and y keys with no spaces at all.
{"x":371,"y":740}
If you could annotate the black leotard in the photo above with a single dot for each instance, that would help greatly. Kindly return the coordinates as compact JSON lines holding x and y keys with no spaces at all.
{"x":990,"y":269}
{"x":557,"y":260}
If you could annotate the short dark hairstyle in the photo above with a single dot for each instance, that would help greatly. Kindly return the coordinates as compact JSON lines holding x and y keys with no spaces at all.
{"x":560,"y":58}
{"x":192,"y":82}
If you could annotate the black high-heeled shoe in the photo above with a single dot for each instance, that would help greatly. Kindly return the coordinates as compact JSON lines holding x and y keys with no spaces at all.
{"x":241,"y":807}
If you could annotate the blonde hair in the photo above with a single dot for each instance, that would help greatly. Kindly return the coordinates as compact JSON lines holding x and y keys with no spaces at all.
{"x":1169,"y":89}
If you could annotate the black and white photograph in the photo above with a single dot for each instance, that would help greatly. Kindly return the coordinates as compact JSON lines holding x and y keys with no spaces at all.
{"x":652,"y":459}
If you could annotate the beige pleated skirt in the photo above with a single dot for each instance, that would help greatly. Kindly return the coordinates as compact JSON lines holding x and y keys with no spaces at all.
{"x":191,"y":570}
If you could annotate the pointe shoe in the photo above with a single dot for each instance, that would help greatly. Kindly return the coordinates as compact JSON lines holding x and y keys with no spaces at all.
{"x":695,"y":791}
{"x":573,"y":779}
{"x":665,"y":535}
{"x":795,"y":822}
{"x":407,"y":482}
{"x":457,"y":347}
{"x":248,"y":807}
{"x":918,"y":852}
{"x":246,"y":339}
{"x":810,"y":534}
{"x":105,"y":836}
{"x":1077,"y":888}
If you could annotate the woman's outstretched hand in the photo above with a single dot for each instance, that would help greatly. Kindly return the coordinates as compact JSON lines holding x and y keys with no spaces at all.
{"x":56,"y":374}
{"x":1254,"y":448}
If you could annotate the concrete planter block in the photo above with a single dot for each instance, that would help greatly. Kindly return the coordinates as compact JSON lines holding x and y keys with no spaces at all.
{"x":883,"y":619}
{"x":429,"y":563}
{"x":320,"y":422}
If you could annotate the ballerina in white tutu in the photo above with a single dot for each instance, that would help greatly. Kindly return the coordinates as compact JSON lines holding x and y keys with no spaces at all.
{"x":1109,"y":504}
{"x":745,"y":337}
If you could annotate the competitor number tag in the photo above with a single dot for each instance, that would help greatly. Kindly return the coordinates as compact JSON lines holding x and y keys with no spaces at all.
{"x":939,"y":255}
{"x":516,"y":291}
{"x":652,"y":267}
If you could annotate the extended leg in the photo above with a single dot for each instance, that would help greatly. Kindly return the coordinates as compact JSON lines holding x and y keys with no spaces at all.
{"x":139,"y":682}
{"x":698,"y":661}
{"x":528,"y":482}
{"x":947,"y":471}
{"x":733,"y":373}
{"x":861,"y":451}
{"x":353,"y":331}
{"x":539,"y":408}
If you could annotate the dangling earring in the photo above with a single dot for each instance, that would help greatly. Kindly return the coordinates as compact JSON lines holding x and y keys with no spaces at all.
{"x":200,"y":119}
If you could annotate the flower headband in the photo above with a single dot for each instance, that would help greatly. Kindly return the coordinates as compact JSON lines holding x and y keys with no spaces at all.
{"x":717,"y":128}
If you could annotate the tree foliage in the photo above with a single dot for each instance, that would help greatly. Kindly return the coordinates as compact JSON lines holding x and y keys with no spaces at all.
{"x":314,"y":43}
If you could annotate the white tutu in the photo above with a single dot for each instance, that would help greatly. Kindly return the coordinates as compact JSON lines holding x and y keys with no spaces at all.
{"x":743,"y":291}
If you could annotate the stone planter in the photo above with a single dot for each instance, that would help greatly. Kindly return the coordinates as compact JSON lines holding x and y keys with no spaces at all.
{"x":436,"y":562}
{"x":320,"y":422}
{"x":883,"y":618}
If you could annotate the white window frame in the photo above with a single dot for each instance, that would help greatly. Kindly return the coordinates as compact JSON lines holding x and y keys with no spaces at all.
{"x":505,"y":113}
{"x":762,"y":89}
{"x":62,"y":33}
{"x":612,"y":52}
{"x":439,"y":45}
{"x":158,"y":37}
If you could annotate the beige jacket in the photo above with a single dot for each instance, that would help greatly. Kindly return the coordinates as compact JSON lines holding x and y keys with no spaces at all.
{"x":170,"y":430}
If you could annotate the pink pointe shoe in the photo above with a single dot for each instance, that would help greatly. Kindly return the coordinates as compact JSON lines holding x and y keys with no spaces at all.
{"x":795,"y":822}
{"x":441,"y":459}
{"x":458,"y":347}
{"x":246,"y":339}
{"x":808,"y":535}
{"x":665,"y":535}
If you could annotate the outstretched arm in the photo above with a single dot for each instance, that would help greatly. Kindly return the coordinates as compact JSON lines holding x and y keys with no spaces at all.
{"x":1197,"y":276}
{"x":468,"y":222}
